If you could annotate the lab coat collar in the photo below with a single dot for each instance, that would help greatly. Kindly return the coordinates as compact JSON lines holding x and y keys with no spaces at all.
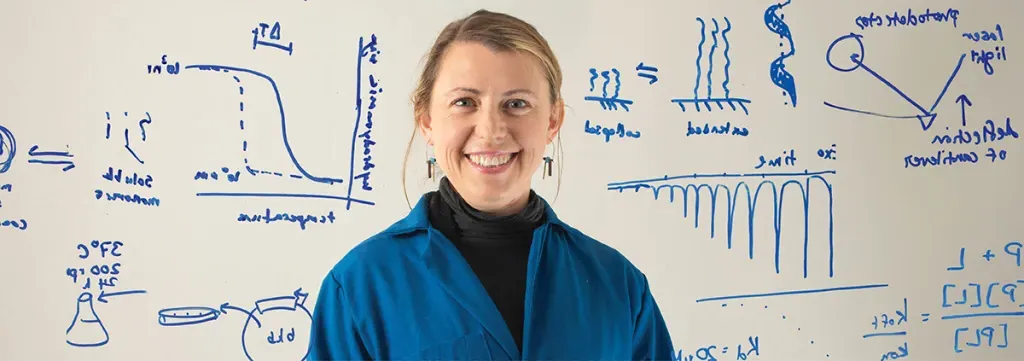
{"x":418,"y":218}
{"x":456,"y":276}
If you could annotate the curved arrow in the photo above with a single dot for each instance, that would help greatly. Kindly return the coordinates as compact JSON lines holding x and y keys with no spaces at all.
{"x":224,"y":307}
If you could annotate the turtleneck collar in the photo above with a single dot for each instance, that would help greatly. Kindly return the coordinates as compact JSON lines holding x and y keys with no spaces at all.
{"x":460,"y":222}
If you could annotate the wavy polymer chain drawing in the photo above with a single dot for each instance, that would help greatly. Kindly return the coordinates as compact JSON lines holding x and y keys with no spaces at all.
{"x":722,"y":100}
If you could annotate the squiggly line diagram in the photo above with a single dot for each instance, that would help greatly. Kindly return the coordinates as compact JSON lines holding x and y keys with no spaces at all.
{"x":706,"y":102}
{"x":780,"y":76}
{"x":608,"y":103}
{"x":728,"y":62}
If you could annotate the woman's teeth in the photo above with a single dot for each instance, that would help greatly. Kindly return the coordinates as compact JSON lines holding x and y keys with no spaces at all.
{"x":490,"y":160}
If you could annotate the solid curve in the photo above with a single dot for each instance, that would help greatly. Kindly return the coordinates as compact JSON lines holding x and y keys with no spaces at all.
{"x":280,"y":106}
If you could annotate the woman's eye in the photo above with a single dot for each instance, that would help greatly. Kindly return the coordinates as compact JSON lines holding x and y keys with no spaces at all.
{"x":517,"y":103}
{"x":463,"y":102}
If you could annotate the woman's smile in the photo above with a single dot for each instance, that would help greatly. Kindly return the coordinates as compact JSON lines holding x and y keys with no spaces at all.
{"x":491,"y":162}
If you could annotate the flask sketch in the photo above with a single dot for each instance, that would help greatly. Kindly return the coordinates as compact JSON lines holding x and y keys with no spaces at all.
{"x":86,"y":329}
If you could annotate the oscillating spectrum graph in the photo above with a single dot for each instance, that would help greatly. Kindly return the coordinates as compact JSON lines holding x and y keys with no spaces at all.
{"x":361,"y":134}
{"x":697,"y":101}
{"x":775,"y":184}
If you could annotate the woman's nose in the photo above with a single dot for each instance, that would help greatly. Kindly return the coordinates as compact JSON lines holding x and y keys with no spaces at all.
{"x":491,"y":125}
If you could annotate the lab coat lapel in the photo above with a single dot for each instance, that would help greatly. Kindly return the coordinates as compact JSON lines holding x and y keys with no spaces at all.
{"x":457,"y":278}
{"x":537,"y":256}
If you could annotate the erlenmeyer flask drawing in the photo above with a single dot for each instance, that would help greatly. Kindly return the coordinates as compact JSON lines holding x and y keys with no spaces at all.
{"x":86,"y":329}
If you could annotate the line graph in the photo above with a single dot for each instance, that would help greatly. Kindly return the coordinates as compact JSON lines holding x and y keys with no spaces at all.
{"x":284,"y":122}
{"x":697,"y":101}
{"x":367,"y":52}
{"x":732,"y":184}
{"x":856,"y":60}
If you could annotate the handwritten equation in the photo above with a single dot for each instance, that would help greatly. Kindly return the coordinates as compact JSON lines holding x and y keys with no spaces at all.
{"x":975,"y":314}
{"x":751,"y":349}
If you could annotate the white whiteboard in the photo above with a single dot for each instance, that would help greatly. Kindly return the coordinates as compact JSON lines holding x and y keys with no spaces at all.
{"x":892,"y":205}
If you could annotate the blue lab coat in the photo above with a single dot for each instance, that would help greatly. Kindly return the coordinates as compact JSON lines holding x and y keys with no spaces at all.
{"x":407,"y":294}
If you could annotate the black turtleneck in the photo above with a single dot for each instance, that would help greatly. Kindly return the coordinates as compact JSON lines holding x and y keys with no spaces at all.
{"x":497,"y":248}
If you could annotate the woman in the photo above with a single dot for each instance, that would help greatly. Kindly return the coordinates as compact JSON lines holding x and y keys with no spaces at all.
{"x":482,"y":269}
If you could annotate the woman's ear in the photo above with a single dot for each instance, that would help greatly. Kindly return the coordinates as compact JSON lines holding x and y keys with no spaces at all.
{"x":423,"y":123}
{"x":556,"y":119}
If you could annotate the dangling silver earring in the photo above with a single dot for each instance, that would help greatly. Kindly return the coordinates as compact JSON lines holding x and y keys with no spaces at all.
{"x":548,"y":162}
{"x":431,"y":164}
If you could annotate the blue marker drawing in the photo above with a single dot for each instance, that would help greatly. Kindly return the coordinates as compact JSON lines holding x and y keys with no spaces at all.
{"x":280,"y":106}
{"x":856,"y":61}
{"x":366,"y":52}
{"x":66,"y":163}
{"x":710,"y":98}
{"x":86,"y":329}
{"x":777,"y":183}
{"x":728,"y":61}
{"x":172,"y":69}
{"x":127,"y":140}
{"x":964,"y":103}
{"x":780,"y":77}
{"x":270,"y":324}
{"x":794,"y":292}
{"x":647,"y":72}
{"x":283,"y":195}
{"x":609,"y":132}
{"x":103,"y":294}
{"x":245,"y":143}
{"x":608,"y":102}
{"x":183,"y":316}
{"x":711,"y":54}
{"x":8,"y":148}
{"x":260,"y":32}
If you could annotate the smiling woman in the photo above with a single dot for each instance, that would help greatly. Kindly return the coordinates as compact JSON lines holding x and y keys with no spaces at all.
{"x":482,"y":268}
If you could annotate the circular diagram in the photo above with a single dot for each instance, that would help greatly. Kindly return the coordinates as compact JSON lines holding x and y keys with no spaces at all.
{"x":278,"y":329}
{"x":8,"y":148}
{"x":850,"y":57}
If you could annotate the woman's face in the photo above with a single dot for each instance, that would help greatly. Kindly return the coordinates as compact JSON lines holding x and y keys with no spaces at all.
{"x":490,"y":121}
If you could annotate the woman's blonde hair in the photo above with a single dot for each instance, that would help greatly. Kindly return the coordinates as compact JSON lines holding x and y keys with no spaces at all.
{"x":498,"y":32}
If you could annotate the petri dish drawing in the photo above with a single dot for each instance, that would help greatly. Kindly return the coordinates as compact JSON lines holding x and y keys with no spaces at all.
{"x":181,"y":316}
